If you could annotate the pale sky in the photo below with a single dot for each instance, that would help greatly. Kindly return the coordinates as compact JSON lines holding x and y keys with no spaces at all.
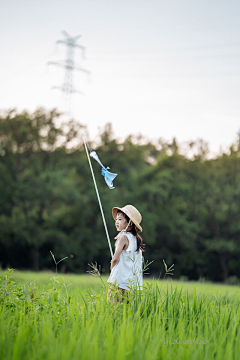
{"x":160,"y":68}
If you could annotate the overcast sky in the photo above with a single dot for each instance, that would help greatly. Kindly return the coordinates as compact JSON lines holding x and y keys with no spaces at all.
{"x":160,"y":68}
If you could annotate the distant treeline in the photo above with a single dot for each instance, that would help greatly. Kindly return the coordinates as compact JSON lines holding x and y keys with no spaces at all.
{"x":190,"y":206}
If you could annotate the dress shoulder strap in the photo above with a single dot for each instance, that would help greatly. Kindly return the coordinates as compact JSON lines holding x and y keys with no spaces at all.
{"x":132,"y":241}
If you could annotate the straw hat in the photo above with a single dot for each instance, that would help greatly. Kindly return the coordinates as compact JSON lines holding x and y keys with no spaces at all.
{"x":132,"y":213}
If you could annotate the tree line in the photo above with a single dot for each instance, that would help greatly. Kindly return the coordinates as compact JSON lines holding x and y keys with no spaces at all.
{"x":190,"y":205}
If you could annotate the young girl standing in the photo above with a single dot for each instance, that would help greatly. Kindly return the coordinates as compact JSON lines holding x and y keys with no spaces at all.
{"x":126,"y":264}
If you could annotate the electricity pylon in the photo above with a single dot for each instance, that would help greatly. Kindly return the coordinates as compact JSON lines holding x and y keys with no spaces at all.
{"x":69,"y":65}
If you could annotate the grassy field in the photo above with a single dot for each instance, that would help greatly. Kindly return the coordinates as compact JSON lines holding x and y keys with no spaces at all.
{"x":67,"y":317}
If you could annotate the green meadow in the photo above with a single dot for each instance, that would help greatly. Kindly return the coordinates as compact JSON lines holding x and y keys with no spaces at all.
{"x":48,"y":316}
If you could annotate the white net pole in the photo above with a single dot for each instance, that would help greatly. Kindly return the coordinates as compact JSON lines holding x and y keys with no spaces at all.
{"x":99,"y":201}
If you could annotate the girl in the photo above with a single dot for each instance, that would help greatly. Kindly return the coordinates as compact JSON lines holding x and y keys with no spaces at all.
{"x":126,"y":264}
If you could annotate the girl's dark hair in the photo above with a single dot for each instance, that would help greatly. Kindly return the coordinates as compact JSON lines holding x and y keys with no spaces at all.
{"x":140,"y":244}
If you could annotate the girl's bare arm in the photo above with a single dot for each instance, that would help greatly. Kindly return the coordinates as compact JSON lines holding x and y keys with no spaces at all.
{"x":122,"y":241}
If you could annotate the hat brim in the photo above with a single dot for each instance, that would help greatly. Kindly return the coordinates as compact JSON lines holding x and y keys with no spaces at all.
{"x":114,"y":213}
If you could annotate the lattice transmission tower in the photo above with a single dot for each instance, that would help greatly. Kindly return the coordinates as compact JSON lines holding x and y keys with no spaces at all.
{"x":69,"y":65}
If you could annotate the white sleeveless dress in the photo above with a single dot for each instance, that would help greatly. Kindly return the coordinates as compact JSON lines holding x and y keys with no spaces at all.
{"x":128,"y":271}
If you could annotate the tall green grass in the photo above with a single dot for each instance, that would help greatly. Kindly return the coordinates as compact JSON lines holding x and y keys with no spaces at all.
{"x":41,"y":317}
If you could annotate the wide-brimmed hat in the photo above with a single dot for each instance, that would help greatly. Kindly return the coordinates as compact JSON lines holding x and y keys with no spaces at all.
{"x":132,"y":213}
